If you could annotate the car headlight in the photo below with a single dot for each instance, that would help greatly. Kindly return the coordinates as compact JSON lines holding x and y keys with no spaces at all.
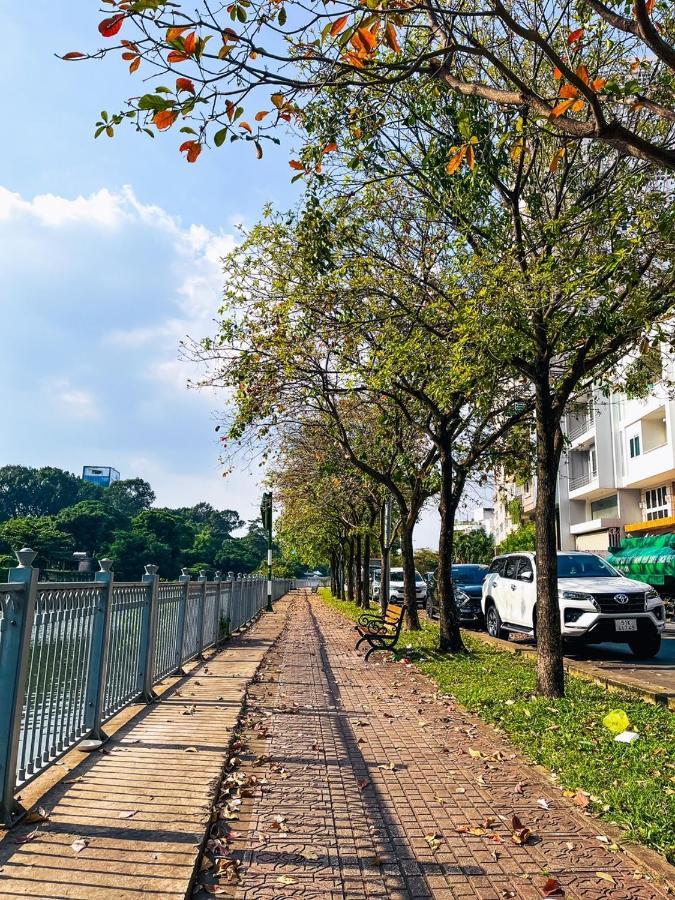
{"x":462,"y":598}
{"x":652,"y":595}
{"x":579,"y":597}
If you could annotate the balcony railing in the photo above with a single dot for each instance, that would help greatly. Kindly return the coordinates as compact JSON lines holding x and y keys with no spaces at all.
{"x":581,"y":422}
{"x":578,"y":481}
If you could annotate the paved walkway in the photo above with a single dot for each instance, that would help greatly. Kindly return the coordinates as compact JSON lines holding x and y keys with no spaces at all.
{"x":129,"y":822}
{"x":364,"y":783}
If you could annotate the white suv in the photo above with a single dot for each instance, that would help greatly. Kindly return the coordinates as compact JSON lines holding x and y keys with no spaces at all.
{"x":596,"y":602}
{"x":396,"y":587}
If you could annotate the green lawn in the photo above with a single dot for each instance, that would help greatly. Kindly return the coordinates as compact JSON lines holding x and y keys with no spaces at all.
{"x":631,"y":785}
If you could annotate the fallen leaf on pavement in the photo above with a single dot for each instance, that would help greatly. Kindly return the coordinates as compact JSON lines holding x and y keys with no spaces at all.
{"x":474,"y":754}
{"x":604,"y":876}
{"x":25,"y":838}
{"x":520,"y":833}
{"x":286,"y":879}
{"x":552,"y":888}
{"x":127,"y":814}
{"x":191,"y":750}
{"x":36,"y":815}
{"x":79,"y":845}
{"x":519,"y":788}
{"x":581,"y":799}
{"x":434,"y":840}
{"x":363,"y":783}
{"x":543,"y":803}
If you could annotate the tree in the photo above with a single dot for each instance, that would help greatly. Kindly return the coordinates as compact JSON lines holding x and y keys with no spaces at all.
{"x":474,"y":547}
{"x":131,"y":551}
{"x":130,"y":496}
{"x":426,"y":560}
{"x":523,"y":538}
{"x":165,"y":528}
{"x":91,"y":523}
{"x":585,"y":70}
{"x":52,"y":545}
{"x":26,"y":491}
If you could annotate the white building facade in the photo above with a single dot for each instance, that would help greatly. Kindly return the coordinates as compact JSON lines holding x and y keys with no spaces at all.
{"x":616,"y":477}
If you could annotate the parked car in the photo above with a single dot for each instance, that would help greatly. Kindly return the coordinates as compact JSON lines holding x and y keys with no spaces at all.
{"x":468,"y":579}
{"x":597,"y":603}
{"x":396,"y":587}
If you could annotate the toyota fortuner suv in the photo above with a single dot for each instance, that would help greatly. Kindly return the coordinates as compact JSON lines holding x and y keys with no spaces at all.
{"x":596,"y":602}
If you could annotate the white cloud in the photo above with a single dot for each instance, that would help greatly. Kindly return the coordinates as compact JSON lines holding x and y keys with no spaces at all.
{"x":101,"y":209}
{"x":69,"y":400}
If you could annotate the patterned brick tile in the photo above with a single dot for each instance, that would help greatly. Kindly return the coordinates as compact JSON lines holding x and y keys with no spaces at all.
{"x":371,"y":773}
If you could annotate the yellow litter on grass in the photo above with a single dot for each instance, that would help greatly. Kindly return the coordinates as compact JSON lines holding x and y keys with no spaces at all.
{"x":616,"y":721}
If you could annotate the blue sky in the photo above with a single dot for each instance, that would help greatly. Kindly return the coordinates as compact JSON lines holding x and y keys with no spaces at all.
{"x":110,"y":255}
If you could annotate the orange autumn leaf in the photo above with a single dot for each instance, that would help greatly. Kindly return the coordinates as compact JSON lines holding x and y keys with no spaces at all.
{"x":173,"y":34}
{"x":134,"y":65}
{"x":259,"y":116}
{"x":598,"y":84}
{"x":184,"y":84}
{"x":575,"y":36}
{"x":338,"y":25}
{"x":367,"y":38}
{"x":330,"y":148}
{"x":578,"y":105}
{"x":568,"y":90}
{"x":74,"y":54}
{"x":354,"y":60}
{"x":190,"y":43}
{"x":391,"y":38}
{"x":229,"y":109}
{"x":561,"y":108}
{"x":649,"y":6}
{"x":582,"y":72}
{"x":246,"y":127}
{"x":194,"y":148}
{"x":164,"y":118}
{"x":229,"y":34}
{"x":456,"y":161}
{"x":557,"y":74}
{"x":294,"y":164}
{"x":128,"y":56}
{"x":110,"y":27}
{"x":557,"y":157}
{"x":357,"y":43}
{"x":470,"y":157}
{"x":176,"y":56}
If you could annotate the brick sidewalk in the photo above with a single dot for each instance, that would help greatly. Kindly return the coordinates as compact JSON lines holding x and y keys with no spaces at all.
{"x":370,"y":784}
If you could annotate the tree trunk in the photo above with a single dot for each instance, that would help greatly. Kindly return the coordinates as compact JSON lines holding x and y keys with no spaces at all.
{"x":550,"y":674}
{"x":385,"y":552}
{"x":450,"y":638}
{"x":350,"y":571}
{"x":333,"y":574}
{"x":341,"y":570}
{"x":359,"y":571}
{"x":412,"y":618}
{"x":365,"y":578}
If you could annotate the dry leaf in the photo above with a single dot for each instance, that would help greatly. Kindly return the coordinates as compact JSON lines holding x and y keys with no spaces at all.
{"x":605,"y":877}
{"x":552,"y":888}
{"x":36,"y":815}
{"x":25,"y":838}
{"x":80,"y":844}
{"x":191,"y":750}
{"x":286,"y":879}
{"x":543,"y":803}
{"x":127,"y":814}
{"x":363,"y":783}
{"x":581,"y":799}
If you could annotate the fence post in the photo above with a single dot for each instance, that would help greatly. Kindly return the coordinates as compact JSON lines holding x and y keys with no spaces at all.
{"x":217,"y":577}
{"x":200,"y":613}
{"x":16,"y":627}
{"x":184,"y":577}
{"x":148,"y":636}
{"x":98,"y":659}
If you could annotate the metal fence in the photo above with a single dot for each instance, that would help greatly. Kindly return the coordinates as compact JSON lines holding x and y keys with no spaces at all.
{"x":72,"y":654}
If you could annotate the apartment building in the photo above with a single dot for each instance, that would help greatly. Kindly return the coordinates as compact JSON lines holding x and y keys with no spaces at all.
{"x":617,"y":476}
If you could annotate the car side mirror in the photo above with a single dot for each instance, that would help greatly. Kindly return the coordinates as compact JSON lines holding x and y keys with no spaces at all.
{"x":526,"y":576}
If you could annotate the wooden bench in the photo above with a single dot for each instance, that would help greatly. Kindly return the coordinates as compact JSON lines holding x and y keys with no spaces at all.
{"x":381,"y":632}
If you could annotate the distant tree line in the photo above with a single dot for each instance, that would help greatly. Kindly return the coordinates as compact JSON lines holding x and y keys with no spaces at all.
{"x":56,"y":513}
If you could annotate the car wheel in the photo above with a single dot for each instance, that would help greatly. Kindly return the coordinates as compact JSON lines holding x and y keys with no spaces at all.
{"x":493,"y":623}
{"x":645,"y":645}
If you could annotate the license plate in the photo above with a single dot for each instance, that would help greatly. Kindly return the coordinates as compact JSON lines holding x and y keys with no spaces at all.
{"x":625,"y":624}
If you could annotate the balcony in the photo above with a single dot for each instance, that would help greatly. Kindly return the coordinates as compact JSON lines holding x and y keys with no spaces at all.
{"x":583,"y":479}
{"x":580,"y":422}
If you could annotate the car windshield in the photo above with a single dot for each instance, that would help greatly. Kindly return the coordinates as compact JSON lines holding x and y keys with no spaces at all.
{"x":396,"y":576}
{"x":469,"y":574}
{"x":573,"y":565}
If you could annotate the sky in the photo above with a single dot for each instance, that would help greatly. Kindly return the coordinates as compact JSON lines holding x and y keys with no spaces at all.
{"x":110,"y":255}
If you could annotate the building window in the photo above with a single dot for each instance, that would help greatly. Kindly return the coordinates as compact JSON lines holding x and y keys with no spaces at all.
{"x":634,"y":445}
{"x":607,"y":508}
{"x":656,"y":501}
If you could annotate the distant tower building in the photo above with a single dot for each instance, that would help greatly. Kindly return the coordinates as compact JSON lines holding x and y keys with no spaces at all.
{"x":101,"y":475}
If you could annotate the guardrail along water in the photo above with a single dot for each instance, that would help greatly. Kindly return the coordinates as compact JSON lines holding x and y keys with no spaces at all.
{"x":74,"y":654}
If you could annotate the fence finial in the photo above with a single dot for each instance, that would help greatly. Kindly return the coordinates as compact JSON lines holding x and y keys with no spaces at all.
{"x":151,"y":569}
{"x":105,"y":564}
{"x":185,"y":572}
{"x":25,"y":557}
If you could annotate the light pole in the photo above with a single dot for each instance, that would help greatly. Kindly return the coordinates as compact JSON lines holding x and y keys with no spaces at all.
{"x":266,"y":515}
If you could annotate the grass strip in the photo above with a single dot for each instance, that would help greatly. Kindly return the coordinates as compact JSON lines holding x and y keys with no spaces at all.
{"x":630,"y":785}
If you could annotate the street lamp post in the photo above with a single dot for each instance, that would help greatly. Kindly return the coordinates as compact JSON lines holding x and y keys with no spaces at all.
{"x":266,"y":515}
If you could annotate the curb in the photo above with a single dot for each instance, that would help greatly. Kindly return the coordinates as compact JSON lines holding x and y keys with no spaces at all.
{"x":649,"y":693}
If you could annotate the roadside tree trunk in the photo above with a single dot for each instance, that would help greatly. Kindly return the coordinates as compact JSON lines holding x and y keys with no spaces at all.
{"x":365,"y":578}
{"x":412,"y":618}
{"x":550,"y":673}
{"x":450,"y":638}
{"x":359,"y":570}
{"x":350,"y":571}
{"x":385,"y":552}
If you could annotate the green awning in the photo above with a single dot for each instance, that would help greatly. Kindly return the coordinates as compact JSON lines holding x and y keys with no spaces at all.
{"x":650,"y":559}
